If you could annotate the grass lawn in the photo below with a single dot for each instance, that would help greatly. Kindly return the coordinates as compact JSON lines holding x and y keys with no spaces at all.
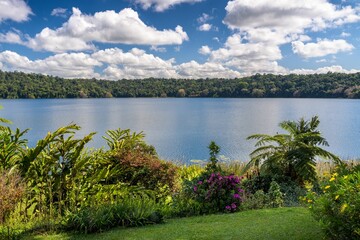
{"x":281,"y":223}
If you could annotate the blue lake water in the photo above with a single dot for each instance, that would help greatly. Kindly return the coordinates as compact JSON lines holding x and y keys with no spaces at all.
{"x":181,"y":129}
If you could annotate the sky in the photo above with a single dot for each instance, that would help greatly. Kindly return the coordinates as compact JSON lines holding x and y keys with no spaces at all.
{"x":132,"y":39}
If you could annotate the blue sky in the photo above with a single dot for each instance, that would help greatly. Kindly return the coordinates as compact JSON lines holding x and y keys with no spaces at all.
{"x":115,"y":39}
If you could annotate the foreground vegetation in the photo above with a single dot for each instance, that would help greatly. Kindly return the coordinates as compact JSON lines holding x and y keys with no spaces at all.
{"x":264,"y":224}
{"x":61,"y":186}
{"x":330,"y":85}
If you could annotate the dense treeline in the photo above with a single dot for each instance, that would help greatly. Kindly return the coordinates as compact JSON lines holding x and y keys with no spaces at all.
{"x":330,"y":85}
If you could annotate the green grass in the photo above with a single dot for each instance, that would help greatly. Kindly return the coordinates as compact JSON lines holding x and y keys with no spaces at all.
{"x":281,"y":223}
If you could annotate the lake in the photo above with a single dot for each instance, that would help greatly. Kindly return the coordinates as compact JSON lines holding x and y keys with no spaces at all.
{"x":181,"y":128}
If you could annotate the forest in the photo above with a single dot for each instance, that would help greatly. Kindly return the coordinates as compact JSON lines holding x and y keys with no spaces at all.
{"x":15,"y":85}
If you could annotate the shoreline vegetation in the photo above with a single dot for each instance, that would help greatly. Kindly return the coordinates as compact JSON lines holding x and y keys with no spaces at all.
{"x":61,"y":186}
{"x":14,"y":85}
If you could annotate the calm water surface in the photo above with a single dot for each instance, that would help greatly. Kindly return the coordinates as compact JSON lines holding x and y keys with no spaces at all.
{"x":181,"y":129}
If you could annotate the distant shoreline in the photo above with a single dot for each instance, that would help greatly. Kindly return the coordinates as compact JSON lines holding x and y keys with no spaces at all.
{"x":19,"y":85}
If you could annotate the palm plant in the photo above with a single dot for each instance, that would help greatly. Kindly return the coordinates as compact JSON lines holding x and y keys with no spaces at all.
{"x":293,"y":154}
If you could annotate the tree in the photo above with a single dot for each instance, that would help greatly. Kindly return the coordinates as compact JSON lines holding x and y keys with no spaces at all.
{"x":181,"y":93}
{"x":293,"y":154}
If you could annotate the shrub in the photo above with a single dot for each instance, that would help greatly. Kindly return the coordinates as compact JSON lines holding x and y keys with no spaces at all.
{"x":338,"y":207}
{"x":291,"y":190}
{"x":273,"y":198}
{"x":275,"y":195}
{"x":12,"y":190}
{"x":131,"y":160}
{"x":218,"y":193}
{"x":132,"y":211}
{"x":257,"y":200}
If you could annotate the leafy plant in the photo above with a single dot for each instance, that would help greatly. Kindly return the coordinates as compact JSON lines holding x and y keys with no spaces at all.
{"x":218,"y":193}
{"x":12,"y":190}
{"x":275,"y":195}
{"x":131,"y":211}
{"x":131,"y":160}
{"x":293,"y":154}
{"x":338,"y":207}
{"x":258,"y":200}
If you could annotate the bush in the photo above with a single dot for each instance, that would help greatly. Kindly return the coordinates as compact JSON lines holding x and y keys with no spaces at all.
{"x":275,"y":195}
{"x":290,"y":190}
{"x":12,"y":190}
{"x":257,"y":200}
{"x":132,"y":211}
{"x":132,"y":161}
{"x":147,"y":171}
{"x":338,"y":207}
{"x":218,"y":193}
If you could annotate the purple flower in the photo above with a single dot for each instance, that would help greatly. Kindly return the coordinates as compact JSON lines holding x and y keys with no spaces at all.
{"x":195,"y":188}
{"x":233,"y":206}
{"x":200,"y":182}
{"x":228,"y":208}
{"x":236,"y":196}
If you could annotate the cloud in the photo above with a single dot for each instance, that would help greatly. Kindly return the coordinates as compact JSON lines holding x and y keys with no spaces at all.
{"x":69,"y":65}
{"x":158,"y":49}
{"x":162,"y":5}
{"x":80,"y":31}
{"x":321,"y":48}
{"x":133,"y":64}
{"x":205,"y":27}
{"x":284,"y":21}
{"x":287,"y":15}
{"x":261,"y":27}
{"x":335,"y":68}
{"x":15,"y":10}
{"x":248,"y":57}
{"x":345,"y":34}
{"x":204,"y":18}
{"x":204,"y":50}
{"x":10,"y":37}
{"x":57,"y":41}
{"x":114,"y":63}
{"x":59,"y":12}
{"x":195,"y":70}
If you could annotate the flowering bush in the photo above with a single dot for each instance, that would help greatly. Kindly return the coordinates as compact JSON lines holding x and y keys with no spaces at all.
{"x":218,"y":193}
{"x":338,"y":207}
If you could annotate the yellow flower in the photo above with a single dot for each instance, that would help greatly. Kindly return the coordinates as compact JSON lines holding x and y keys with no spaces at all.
{"x":332,"y":179}
{"x":335,"y":174}
{"x":346,"y":176}
{"x":310,"y":201}
{"x":327,"y":187}
{"x":336,"y":197}
{"x":343,"y":207}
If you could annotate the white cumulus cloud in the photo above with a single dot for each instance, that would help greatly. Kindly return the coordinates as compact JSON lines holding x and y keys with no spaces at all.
{"x":69,"y":65}
{"x":196,"y":70}
{"x":248,"y":57}
{"x":162,"y":5}
{"x":15,"y":10}
{"x":283,"y":21}
{"x":321,"y":48}
{"x":80,"y":31}
{"x":204,"y":50}
{"x":205,"y":27}
{"x":334,"y":68}
{"x":10,"y":37}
